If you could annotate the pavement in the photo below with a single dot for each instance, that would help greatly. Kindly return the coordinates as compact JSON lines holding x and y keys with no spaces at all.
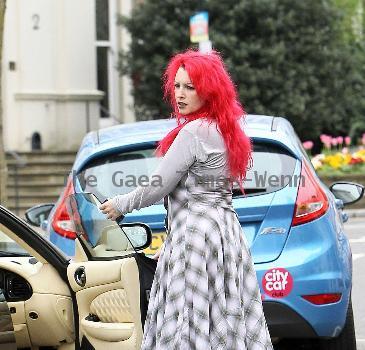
{"x":355,"y":213}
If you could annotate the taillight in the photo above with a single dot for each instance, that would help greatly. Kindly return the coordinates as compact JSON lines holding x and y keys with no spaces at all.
{"x":322,"y":299}
{"x":61,"y":222}
{"x":311,"y":200}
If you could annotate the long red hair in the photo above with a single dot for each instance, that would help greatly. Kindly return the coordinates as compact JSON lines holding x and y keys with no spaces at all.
{"x":214,"y":85}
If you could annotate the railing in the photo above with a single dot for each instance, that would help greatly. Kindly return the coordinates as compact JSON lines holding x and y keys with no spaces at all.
{"x":19,"y":163}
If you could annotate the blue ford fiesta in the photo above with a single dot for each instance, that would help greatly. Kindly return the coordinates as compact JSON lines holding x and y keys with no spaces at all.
{"x":293,"y":222}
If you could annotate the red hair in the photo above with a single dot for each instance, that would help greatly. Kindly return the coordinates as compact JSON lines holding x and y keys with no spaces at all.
{"x":214,"y":85}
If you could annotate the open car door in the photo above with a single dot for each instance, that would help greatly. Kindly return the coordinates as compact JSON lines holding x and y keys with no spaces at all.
{"x":35,"y":299}
{"x":111,"y":281}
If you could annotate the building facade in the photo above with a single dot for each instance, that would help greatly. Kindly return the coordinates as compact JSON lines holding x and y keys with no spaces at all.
{"x":59,"y":72}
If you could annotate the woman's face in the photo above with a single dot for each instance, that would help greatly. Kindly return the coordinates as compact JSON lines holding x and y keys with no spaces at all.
{"x":186,"y":97}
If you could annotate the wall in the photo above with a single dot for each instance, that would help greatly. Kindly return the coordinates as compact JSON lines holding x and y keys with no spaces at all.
{"x":52,"y":87}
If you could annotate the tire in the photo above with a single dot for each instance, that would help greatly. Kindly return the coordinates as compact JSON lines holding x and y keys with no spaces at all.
{"x":347,"y":339}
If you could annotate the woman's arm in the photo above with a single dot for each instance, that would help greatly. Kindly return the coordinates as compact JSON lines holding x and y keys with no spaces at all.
{"x":173,"y":166}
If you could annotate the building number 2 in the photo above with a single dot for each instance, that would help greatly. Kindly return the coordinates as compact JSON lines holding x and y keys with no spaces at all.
{"x":35,"y":19}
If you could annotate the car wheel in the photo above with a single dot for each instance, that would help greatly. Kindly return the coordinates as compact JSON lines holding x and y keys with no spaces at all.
{"x":346,"y":340}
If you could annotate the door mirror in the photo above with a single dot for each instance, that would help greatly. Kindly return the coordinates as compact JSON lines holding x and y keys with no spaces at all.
{"x":138,"y":234}
{"x":348,"y":192}
{"x":37,"y":214}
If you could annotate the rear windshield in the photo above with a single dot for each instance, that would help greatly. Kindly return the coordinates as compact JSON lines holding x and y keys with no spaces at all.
{"x":273,"y":169}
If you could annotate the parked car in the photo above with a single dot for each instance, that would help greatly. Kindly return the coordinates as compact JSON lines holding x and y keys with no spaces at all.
{"x":292,"y":221}
{"x":94,"y":301}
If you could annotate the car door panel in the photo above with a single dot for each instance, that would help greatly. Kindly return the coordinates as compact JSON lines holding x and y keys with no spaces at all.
{"x":49,"y":306}
{"x":52,"y":313}
{"x":112,"y":293}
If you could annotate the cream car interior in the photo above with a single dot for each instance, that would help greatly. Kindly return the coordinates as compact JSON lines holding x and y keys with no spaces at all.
{"x":112,"y":242}
{"x":46,"y":318}
{"x":107,"y":293}
{"x":114,"y":297}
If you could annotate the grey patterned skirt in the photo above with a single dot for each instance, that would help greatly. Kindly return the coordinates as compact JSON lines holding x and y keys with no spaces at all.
{"x":205,"y":294}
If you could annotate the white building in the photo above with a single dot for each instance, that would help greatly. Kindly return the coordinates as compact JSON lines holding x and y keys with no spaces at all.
{"x":59,"y":60}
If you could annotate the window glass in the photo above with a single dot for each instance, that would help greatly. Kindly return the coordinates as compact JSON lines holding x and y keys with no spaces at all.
{"x":103,"y":79}
{"x":102,"y":19}
{"x":8,"y":247}
{"x":118,"y":173}
{"x":102,"y":237}
{"x":273,"y":169}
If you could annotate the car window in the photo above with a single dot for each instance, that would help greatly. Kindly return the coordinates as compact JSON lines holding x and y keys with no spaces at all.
{"x":8,"y":247}
{"x":118,"y":173}
{"x":273,"y":169}
{"x":103,"y":238}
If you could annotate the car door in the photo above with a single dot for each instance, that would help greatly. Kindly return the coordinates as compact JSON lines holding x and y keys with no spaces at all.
{"x":36,"y":302}
{"x":96,"y":301}
{"x":111,"y":281}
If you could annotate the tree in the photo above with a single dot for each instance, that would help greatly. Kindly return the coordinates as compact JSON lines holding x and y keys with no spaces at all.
{"x":3,"y":168}
{"x":288,"y":58}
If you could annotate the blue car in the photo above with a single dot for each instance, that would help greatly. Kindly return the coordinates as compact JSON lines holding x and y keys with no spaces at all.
{"x":292,"y":221}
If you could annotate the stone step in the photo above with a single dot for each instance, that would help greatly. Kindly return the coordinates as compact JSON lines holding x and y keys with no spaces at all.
{"x":30,"y":193}
{"x":26,"y":204}
{"x":49,"y":156}
{"x":40,"y":167}
{"x":40,"y":180}
{"x":37,"y":185}
{"x":39,"y":162}
{"x":51,"y":193}
{"x":24,"y":172}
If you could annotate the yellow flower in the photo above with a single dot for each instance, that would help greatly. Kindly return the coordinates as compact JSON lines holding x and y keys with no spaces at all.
{"x":337,"y":160}
{"x":360,"y":154}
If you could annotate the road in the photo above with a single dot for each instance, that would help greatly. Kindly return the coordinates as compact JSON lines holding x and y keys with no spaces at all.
{"x":355,"y":229}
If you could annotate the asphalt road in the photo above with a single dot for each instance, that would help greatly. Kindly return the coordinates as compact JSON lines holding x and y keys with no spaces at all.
{"x":355,"y":229}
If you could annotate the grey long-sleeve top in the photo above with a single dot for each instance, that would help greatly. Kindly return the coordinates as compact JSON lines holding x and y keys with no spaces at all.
{"x":198,"y":150}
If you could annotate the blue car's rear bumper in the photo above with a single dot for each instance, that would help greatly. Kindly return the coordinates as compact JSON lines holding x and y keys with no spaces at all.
{"x":319,"y":261}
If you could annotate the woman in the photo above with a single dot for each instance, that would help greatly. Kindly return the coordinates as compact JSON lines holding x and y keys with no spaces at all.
{"x":205,"y":293}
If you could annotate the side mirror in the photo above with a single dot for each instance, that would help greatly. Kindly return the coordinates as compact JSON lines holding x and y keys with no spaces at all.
{"x":37,"y":214}
{"x":138,"y":234}
{"x":348,"y":192}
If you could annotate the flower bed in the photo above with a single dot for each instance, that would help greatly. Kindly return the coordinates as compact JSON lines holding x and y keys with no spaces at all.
{"x":340,"y":161}
{"x":338,"y":157}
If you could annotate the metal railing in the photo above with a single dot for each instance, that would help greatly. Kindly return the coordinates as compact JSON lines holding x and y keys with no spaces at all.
{"x":19,"y":163}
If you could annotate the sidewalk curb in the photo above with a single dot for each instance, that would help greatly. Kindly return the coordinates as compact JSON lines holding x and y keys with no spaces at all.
{"x":355,"y":213}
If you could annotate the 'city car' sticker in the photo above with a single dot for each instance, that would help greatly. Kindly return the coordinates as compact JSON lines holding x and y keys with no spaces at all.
{"x":277,"y":282}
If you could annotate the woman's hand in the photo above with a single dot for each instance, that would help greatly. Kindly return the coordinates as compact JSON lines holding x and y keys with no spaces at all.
{"x":158,"y":253}
{"x":108,"y":209}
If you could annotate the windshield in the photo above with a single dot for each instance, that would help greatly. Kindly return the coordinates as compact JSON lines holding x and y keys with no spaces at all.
{"x":101,"y":236}
{"x":273,"y":168}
